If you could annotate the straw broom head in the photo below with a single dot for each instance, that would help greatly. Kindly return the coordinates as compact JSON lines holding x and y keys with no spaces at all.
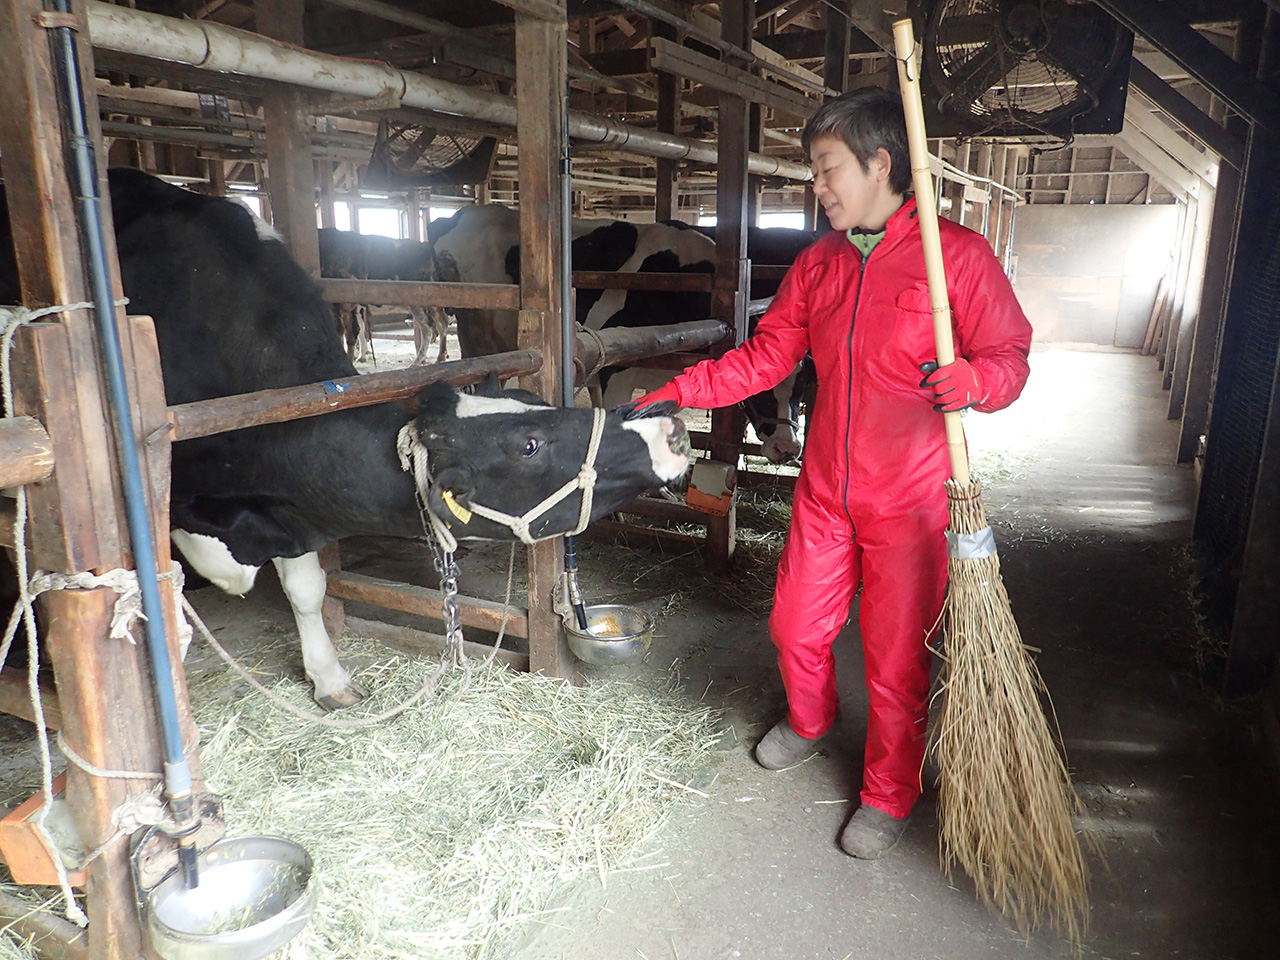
{"x":1005,"y":801}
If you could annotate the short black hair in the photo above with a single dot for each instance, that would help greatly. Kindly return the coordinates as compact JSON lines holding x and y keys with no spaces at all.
{"x":866,"y":120}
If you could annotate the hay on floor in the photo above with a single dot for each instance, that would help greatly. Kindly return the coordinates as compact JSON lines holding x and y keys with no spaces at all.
{"x":443,"y":832}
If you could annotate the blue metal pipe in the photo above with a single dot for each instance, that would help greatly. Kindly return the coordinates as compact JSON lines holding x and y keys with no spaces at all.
{"x":569,"y":334}
{"x":83,"y":165}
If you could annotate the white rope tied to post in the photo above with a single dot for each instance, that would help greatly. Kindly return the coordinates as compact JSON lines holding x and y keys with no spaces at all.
{"x":12,"y":318}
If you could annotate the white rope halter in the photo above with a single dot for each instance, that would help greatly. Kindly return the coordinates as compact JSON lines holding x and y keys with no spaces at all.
{"x":413,"y":457}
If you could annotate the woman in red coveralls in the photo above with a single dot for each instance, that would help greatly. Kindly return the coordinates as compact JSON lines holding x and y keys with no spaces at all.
{"x":869,"y":506}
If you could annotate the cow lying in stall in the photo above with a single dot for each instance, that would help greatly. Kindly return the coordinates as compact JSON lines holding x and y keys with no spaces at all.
{"x":356,"y":256}
{"x":480,"y":245}
{"x":234,"y":313}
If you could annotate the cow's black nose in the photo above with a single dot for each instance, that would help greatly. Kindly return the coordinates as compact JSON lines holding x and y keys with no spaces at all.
{"x":678,"y":438}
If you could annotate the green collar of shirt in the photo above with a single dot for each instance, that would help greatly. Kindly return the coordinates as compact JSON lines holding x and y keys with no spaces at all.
{"x":864,"y":242}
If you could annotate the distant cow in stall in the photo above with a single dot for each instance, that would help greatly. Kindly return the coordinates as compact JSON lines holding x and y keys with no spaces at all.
{"x":776,"y":421}
{"x":481,"y":245}
{"x":357,"y":256}
{"x":234,"y":313}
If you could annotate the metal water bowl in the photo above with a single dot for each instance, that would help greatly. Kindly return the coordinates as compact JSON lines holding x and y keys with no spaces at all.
{"x":615,"y":633}
{"x":255,"y":895}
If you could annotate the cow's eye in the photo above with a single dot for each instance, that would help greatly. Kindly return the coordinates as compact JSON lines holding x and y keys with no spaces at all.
{"x":531,"y":446}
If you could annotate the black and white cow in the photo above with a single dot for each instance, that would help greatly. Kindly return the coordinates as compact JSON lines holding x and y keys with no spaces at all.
{"x":480,"y":244}
{"x":357,"y":256}
{"x":234,"y":313}
{"x":776,"y":417}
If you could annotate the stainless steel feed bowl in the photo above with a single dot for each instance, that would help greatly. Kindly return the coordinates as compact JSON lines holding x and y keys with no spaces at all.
{"x":615,"y":633}
{"x":255,"y":895}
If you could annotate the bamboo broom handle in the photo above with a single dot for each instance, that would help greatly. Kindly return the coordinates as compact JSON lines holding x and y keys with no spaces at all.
{"x":927,"y":212}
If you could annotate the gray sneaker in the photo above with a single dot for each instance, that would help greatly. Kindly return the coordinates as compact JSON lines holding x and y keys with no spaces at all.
{"x":871,"y":833}
{"x":782,"y":747}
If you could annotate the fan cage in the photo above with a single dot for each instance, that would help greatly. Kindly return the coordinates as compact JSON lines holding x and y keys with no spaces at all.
{"x":411,"y":148}
{"x":1041,"y":82}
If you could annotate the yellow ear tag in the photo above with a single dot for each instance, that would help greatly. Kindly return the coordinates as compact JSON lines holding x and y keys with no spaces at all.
{"x":457,"y":509}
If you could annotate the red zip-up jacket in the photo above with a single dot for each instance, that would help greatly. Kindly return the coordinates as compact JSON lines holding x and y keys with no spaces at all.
{"x":874,"y":440}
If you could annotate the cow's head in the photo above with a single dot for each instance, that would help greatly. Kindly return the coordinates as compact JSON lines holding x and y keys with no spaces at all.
{"x":508,"y":451}
{"x":775,"y":414}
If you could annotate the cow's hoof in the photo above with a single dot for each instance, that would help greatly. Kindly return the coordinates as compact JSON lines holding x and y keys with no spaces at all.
{"x":348,"y":696}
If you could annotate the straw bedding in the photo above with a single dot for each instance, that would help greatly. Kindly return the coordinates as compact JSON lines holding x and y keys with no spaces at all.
{"x":446,"y":831}
{"x":440,"y":834}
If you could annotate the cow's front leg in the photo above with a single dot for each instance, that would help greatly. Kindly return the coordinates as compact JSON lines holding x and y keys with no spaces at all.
{"x":303,"y":580}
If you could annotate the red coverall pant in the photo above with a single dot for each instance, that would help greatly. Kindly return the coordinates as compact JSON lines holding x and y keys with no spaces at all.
{"x":901,"y":562}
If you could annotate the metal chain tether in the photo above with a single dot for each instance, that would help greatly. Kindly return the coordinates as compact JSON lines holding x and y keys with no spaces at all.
{"x":447,"y":569}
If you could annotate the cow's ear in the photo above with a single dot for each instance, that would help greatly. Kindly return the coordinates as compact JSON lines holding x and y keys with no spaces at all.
{"x":488,"y":387}
{"x":439,"y":399}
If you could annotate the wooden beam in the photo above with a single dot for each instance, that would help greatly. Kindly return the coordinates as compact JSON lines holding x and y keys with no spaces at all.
{"x":1253,"y":643}
{"x":811,"y":44}
{"x":1186,"y":114}
{"x":419,"y":643}
{"x":681,"y":61}
{"x":540,"y":90}
{"x":1189,"y":319}
{"x":1175,"y":38}
{"x":412,"y":293}
{"x":665,"y":282}
{"x":26,"y":452}
{"x":203,"y":418}
{"x":425,"y":602}
{"x":869,"y":17}
{"x":15,"y":698}
{"x":1194,"y":159}
{"x":1143,"y":151}
{"x":1219,"y":265}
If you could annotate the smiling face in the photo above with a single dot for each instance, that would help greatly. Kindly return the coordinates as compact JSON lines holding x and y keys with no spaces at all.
{"x":854,"y":196}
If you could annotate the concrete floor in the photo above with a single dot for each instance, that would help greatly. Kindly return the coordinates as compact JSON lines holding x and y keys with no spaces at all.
{"x":1092,"y":520}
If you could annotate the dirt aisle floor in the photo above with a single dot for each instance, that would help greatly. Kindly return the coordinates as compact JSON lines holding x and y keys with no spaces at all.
{"x":1092,"y":518}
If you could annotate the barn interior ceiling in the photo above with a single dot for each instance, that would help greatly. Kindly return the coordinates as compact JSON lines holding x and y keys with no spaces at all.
{"x":176,"y":119}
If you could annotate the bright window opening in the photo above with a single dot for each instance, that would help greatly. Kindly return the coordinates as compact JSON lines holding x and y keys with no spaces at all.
{"x":794,"y":221}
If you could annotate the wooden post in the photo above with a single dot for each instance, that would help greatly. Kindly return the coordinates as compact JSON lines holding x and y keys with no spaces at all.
{"x":666,"y":200}
{"x":78,"y":522}
{"x":835,"y":53}
{"x":326,"y":194}
{"x":217,"y":178}
{"x":540,"y":72}
{"x":1219,"y":265}
{"x":729,"y":295}
{"x":291,"y":178}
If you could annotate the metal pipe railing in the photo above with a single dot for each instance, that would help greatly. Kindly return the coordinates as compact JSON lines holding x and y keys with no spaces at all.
{"x":228,"y":50}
